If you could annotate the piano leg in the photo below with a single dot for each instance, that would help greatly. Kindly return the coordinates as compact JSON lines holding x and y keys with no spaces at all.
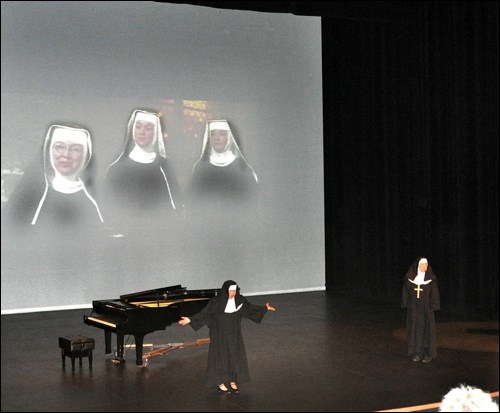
{"x":120,"y":344}
{"x":107,"y":342}
{"x":139,"y":341}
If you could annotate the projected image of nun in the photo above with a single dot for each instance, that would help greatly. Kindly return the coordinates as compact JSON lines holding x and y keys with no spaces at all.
{"x":221,"y":176}
{"x":53,"y":192}
{"x":52,"y":222}
{"x":222,"y":205}
{"x":140,"y":185}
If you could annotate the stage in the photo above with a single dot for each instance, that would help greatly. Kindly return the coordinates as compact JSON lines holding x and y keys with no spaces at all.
{"x":318,"y":352}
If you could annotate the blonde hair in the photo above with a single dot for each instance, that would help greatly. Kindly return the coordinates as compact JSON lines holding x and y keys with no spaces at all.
{"x":467,"y":399}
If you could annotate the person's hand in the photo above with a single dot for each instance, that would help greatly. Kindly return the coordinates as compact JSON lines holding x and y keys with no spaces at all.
{"x":184,"y":320}
{"x":270,"y":307}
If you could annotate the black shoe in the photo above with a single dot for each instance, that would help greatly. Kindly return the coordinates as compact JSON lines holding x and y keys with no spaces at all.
{"x":416,"y":358}
{"x":234,"y":388}
{"x":223,"y":390}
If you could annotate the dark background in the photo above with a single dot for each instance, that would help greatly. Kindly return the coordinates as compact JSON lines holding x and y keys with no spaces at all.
{"x":410,"y":101}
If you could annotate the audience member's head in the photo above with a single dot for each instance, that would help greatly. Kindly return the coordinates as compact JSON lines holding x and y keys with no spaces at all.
{"x":467,"y":399}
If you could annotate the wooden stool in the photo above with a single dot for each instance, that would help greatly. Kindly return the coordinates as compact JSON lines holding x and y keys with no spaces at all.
{"x":76,"y":346}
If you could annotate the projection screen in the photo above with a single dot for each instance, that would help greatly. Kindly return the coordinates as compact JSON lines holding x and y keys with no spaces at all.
{"x":92,"y":64}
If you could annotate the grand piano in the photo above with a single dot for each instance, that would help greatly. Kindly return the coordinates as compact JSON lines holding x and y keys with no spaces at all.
{"x":144,"y":312}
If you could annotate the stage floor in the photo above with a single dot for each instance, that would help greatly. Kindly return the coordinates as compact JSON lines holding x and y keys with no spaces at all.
{"x":317,"y":352}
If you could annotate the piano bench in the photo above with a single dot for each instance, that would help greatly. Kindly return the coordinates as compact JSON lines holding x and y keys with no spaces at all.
{"x":76,"y":346}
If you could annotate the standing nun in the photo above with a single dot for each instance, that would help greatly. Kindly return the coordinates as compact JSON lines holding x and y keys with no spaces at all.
{"x":227,"y":359}
{"x":421,"y":299}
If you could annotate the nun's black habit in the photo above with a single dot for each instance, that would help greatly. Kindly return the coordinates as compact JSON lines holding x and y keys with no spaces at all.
{"x":52,"y":219}
{"x":140,"y":185}
{"x":227,"y":360}
{"x":420,"y":297}
{"x":221,"y":180}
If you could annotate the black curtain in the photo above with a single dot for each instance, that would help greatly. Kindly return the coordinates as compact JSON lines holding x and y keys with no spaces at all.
{"x":411,"y":152}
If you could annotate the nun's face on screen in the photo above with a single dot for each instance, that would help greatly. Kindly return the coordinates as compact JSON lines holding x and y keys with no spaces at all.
{"x":67,"y":157}
{"x":218,"y":139}
{"x":144,"y":133}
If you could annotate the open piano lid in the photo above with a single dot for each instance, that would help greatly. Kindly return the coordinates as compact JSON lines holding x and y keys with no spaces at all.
{"x":155,"y":294}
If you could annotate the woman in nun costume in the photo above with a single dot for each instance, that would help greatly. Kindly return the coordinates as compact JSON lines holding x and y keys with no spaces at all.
{"x":52,"y":213}
{"x":222,"y":203}
{"x":55,"y":193}
{"x":421,"y":298}
{"x":141,"y":187}
{"x":227,"y":360}
{"x":221,"y":176}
